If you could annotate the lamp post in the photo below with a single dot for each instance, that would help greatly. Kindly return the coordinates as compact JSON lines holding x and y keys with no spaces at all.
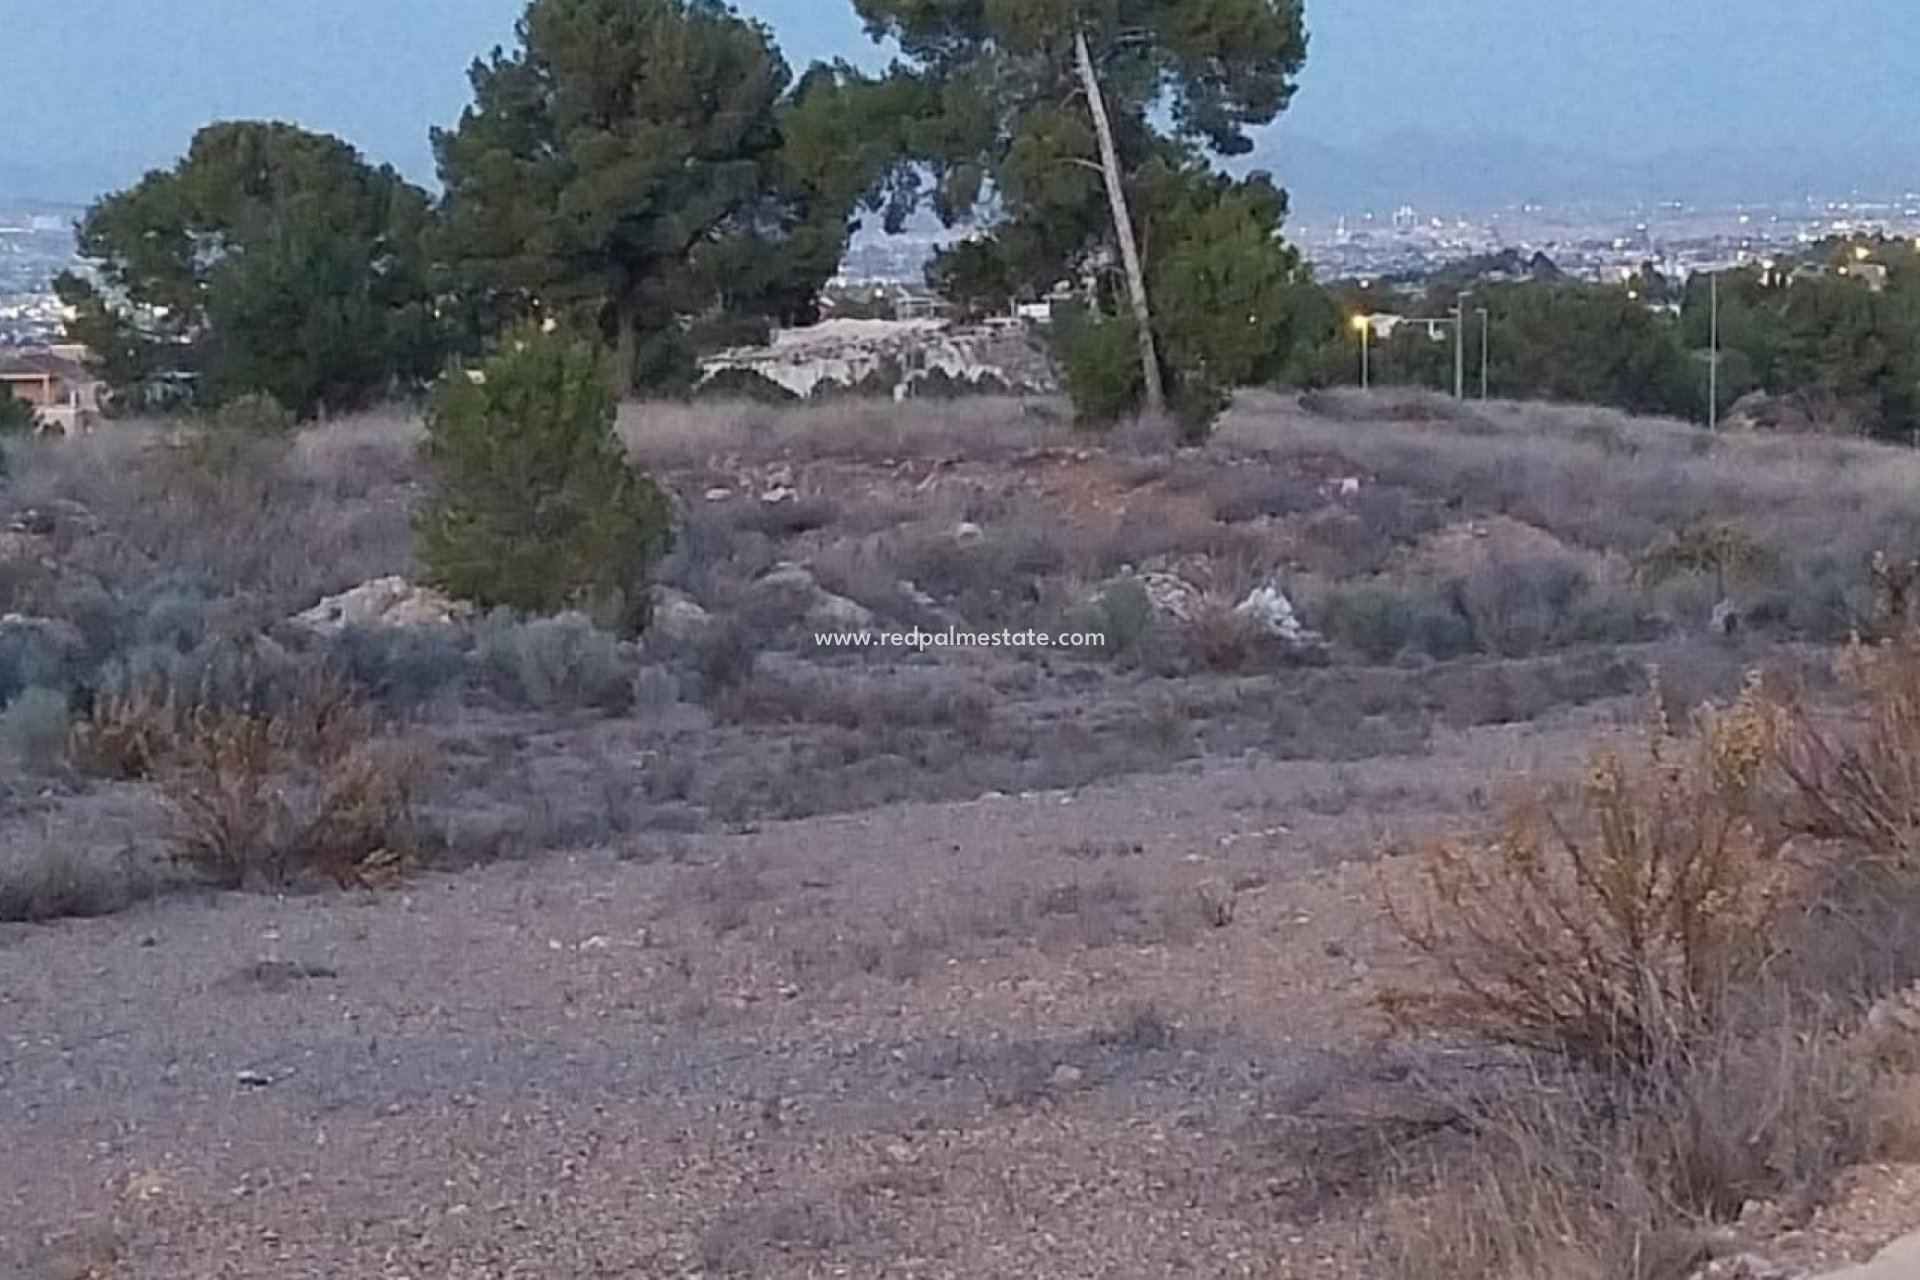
{"x":1363,"y":325}
{"x":1460,"y":348}
{"x":1713,"y":357}
{"x":1486,"y":335}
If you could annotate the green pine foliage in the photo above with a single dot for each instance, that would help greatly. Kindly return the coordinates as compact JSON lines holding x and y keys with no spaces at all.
{"x":16,"y":415}
{"x":989,"y":109}
{"x":625,"y":167}
{"x":268,"y":260}
{"x":534,"y":505}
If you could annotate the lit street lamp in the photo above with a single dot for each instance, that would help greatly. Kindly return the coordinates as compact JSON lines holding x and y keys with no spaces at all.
{"x":1363,"y":325}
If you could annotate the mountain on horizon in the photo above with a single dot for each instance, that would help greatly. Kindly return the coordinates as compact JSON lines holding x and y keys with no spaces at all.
{"x":1470,"y":173}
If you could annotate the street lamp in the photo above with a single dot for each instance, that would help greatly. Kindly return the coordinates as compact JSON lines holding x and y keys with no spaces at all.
{"x":1363,"y":325}
{"x":1460,"y":348}
{"x":1486,"y":345}
{"x":1713,"y":357}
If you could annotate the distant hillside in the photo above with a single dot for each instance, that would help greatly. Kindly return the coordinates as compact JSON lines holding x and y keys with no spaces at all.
{"x":1471,"y":173}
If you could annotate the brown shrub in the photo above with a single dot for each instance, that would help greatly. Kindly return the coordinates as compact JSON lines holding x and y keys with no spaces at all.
{"x":124,"y":735}
{"x":1859,"y":780}
{"x":1617,"y":926}
{"x":266,"y":794}
{"x":1569,"y":1177}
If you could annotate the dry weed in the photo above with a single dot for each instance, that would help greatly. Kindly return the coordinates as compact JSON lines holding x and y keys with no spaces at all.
{"x":1614,"y":927}
{"x":1858,"y":780}
{"x":1572,"y":1176}
{"x":266,"y":794}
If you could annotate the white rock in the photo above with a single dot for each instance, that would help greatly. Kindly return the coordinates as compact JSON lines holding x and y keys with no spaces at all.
{"x":677,"y":615}
{"x":795,"y":588}
{"x":384,"y":602}
{"x":1269,"y":609}
{"x":1172,"y":596}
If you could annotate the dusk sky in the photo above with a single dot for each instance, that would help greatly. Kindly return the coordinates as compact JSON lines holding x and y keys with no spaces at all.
{"x":108,"y":88}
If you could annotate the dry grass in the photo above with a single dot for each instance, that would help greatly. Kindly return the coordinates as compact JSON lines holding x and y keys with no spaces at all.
{"x":267,"y":794}
{"x":689,"y":436}
{"x":1859,"y":781}
{"x":48,"y":878}
{"x":1633,"y":935}
{"x":1571,"y":1179}
{"x":1816,"y":508}
{"x":1610,"y":928}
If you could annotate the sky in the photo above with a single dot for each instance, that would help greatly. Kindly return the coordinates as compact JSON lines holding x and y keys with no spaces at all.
{"x":99,"y":91}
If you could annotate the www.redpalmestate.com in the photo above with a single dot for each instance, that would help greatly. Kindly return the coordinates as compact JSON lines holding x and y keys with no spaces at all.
{"x":919,"y":639}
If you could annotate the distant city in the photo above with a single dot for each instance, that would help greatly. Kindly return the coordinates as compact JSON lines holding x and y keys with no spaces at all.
{"x":1406,"y":243}
{"x":36,"y":244}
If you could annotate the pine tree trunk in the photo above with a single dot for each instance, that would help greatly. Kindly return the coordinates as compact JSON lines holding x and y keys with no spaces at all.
{"x":626,"y":348}
{"x":1156,"y":396}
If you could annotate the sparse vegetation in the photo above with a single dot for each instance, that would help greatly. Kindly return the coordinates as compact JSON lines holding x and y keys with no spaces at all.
{"x":1447,"y":571}
{"x":1640,"y":935}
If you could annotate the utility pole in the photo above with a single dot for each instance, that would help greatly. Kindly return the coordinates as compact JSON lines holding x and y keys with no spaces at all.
{"x":1713,"y":356}
{"x":1486,"y":346}
{"x":1460,"y":348}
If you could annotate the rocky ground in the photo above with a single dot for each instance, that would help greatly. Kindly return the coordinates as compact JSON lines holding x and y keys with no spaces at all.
{"x":1123,"y":1031}
{"x":732,"y":955}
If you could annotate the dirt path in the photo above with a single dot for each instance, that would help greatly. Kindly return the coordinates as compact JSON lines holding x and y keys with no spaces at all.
{"x":1088,"y":1035}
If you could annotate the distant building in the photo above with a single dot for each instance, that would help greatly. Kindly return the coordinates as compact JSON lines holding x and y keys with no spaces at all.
{"x":1874,"y":274}
{"x":63,"y":392}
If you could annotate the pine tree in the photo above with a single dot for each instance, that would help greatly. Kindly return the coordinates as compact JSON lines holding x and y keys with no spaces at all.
{"x":1057,"y":116}
{"x":268,"y":260}
{"x":624,"y":168}
{"x":535,"y":506}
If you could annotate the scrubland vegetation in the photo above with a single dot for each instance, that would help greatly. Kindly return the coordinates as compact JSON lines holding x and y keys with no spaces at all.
{"x":1690,"y":963}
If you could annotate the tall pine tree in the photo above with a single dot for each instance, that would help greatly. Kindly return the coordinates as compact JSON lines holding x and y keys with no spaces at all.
{"x":624,"y":167}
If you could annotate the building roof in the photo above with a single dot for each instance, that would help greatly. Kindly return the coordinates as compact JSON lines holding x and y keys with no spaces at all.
{"x":22,"y":365}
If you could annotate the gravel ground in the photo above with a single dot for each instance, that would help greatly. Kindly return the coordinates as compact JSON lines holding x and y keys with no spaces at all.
{"x":1122,"y":1032}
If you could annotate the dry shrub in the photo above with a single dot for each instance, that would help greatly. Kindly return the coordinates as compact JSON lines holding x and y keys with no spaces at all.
{"x":1579,"y":1178}
{"x":1858,"y":780}
{"x":1616,"y":926}
{"x":125,"y":735}
{"x":268,"y":794}
{"x":1225,"y":641}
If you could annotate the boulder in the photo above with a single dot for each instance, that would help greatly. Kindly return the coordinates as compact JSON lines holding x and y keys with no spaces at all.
{"x":1172,"y":596}
{"x":677,"y":615}
{"x":384,"y":602}
{"x":1268,"y":609}
{"x":792,"y":590}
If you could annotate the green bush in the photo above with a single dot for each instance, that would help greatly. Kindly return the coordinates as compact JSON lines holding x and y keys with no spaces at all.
{"x":535,"y":506}
{"x":1123,"y":613}
{"x":255,"y":413}
{"x":16,"y":415}
{"x":1373,"y":618}
{"x":35,"y":726}
{"x":1099,"y":359}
